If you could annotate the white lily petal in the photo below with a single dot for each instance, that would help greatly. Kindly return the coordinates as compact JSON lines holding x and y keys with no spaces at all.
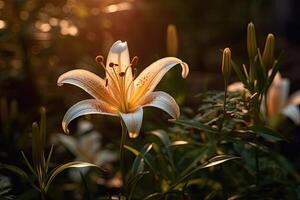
{"x":133,"y":122}
{"x":236,"y":87}
{"x":277,"y":96}
{"x":119,"y":55}
{"x":295,"y":98}
{"x":277,"y":78}
{"x":162,"y":101}
{"x":69,"y":142}
{"x":86,"y":107}
{"x":293,"y":113}
{"x":151,"y":76}
{"x":89,"y":82}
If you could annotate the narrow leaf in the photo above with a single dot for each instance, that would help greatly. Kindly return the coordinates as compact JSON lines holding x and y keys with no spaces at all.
{"x":241,"y":76}
{"x":196,"y":125}
{"x":267,"y":133}
{"x":59,"y":169}
{"x":49,"y":158}
{"x":28,"y":163}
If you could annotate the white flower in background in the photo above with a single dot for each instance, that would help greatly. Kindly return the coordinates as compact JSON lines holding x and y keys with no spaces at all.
{"x":120,"y":93}
{"x":278,"y":101}
{"x":88,"y":147}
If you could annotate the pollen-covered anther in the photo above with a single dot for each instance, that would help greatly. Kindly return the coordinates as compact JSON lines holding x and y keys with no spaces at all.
{"x":111,"y":64}
{"x":99,"y":59}
{"x":122,"y":74}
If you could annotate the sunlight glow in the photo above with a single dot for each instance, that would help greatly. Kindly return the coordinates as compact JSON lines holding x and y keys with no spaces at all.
{"x":2,"y":24}
{"x":117,"y":7}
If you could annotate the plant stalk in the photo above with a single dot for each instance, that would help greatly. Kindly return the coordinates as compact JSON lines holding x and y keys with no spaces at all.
{"x":122,"y":153}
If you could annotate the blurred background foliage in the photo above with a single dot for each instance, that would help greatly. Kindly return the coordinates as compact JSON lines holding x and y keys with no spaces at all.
{"x":39,"y":40}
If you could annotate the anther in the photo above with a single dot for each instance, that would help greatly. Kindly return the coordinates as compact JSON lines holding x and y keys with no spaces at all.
{"x":111,"y":64}
{"x":122,"y":74}
{"x":99,"y":59}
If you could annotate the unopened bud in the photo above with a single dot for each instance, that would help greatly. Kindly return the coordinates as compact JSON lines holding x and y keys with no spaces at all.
{"x":172,"y":40}
{"x":99,"y":59}
{"x":226,"y":64}
{"x":268,"y":55}
{"x":251,"y":41}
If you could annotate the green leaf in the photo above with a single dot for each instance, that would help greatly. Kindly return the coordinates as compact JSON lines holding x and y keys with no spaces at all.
{"x":260,"y":74}
{"x":164,"y":138}
{"x":133,"y":182}
{"x":196,"y":125}
{"x":133,"y":150}
{"x":178,"y":143}
{"x":217,"y":160}
{"x":153,"y":196}
{"x":49,"y":158}
{"x":211,"y":162}
{"x":28,"y":163}
{"x":20,"y":172}
{"x":241,"y":76}
{"x":275,"y":69}
{"x":138,"y":163}
{"x":15,"y":169}
{"x":267,"y":133}
{"x":59,"y":169}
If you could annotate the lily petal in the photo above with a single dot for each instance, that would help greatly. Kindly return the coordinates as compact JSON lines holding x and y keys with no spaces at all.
{"x":119,"y":55}
{"x":236,"y":87}
{"x":68,"y":142}
{"x":295,"y":98}
{"x":133,"y":122}
{"x":277,"y":96}
{"x":89,"y":82}
{"x":162,"y":101}
{"x":85,"y":107}
{"x":151,"y":76}
{"x":293,"y":113}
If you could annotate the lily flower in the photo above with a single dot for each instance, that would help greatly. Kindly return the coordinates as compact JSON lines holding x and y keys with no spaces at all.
{"x":121,"y":93}
{"x":278,"y":101}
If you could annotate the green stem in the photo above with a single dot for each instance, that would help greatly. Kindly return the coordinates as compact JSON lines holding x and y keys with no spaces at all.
{"x":122,"y":153}
{"x":257,"y":166}
{"x":43,"y":195}
{"x":225,"y":96}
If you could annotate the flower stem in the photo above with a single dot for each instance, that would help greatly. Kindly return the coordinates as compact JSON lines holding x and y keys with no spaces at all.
{"x":122,"y":153}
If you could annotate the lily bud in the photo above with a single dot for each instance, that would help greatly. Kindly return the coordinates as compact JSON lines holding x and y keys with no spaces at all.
{"x":251,"y":41}
{"x":268,"y":55}
{"x":172,"y":40}
{"x":226,"y":64}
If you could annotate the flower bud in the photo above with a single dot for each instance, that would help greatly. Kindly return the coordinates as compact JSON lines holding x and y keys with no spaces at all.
{"x":268,"y":55}
{"x":226,"y":64}
{"x":251,"y":41}
{"x":172,"y":40}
